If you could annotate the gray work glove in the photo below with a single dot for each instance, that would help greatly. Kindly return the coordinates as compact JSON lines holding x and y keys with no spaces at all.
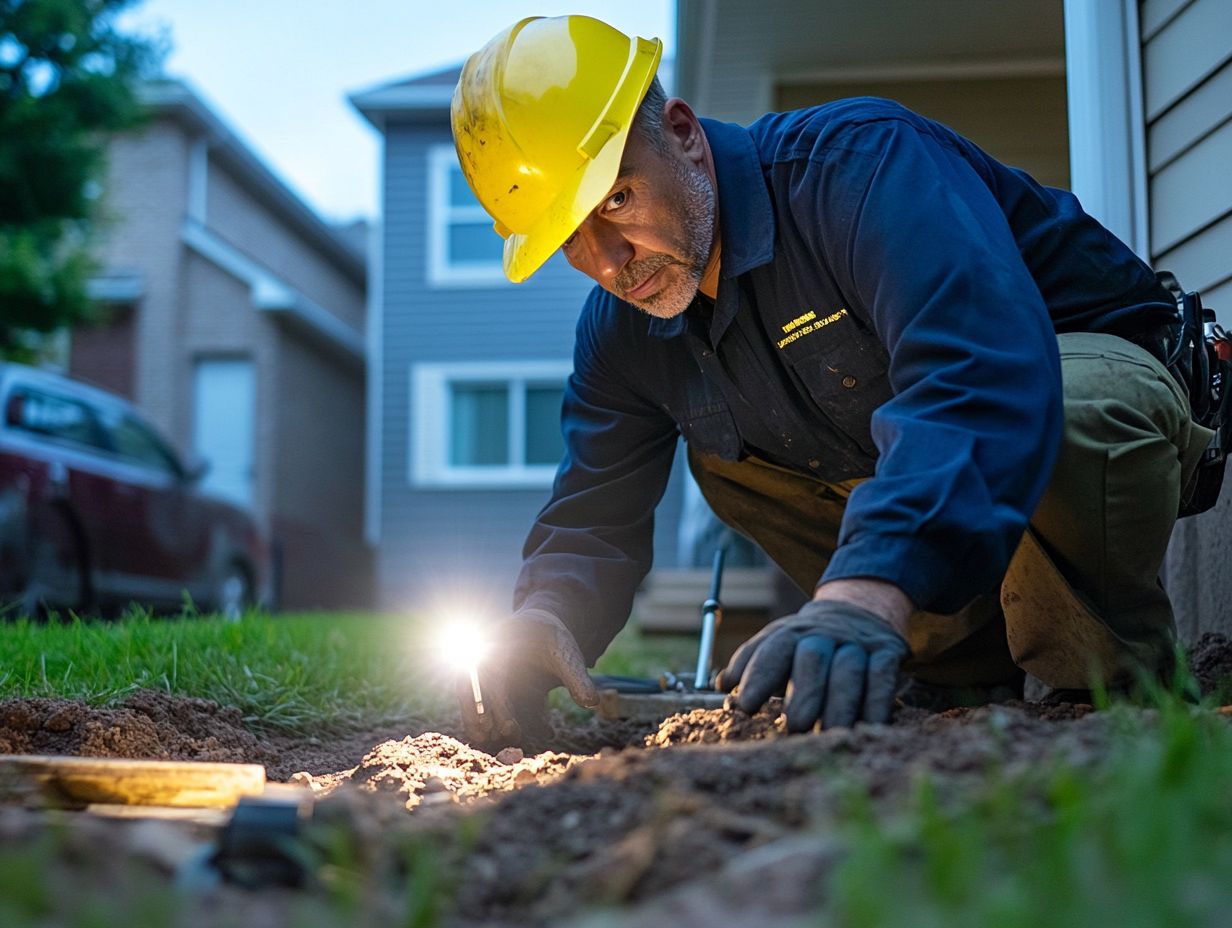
{"x":841,"y":661}
{"x":532,"y":653}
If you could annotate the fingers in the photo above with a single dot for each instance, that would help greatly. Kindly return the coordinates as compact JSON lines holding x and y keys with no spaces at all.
{"x":730,"y":675}
{"x":768,"y":670}
{"x":845,"y":688}
{"x":881,"y":686}
{"x":498,"y":721}
{"x":567,"y":664}
{"x":809,"y":673}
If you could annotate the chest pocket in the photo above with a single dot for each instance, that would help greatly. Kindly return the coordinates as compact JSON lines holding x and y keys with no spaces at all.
{"x":848,"y":382}
{"x":712,"y":430}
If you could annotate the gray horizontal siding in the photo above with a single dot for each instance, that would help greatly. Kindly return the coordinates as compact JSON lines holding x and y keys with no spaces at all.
{"x":1156,"y":14}
{"x":434,"y":541}
{"x":1207,"y":108}
{"x":1193,"y":191}
{"x":1188,"y":79}
{"x":1203,"y":261}
{"x":1189,"y":47}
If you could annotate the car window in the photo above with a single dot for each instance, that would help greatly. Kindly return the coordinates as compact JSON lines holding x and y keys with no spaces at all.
{"x":55,"y":416}
{"x":135,"y":441}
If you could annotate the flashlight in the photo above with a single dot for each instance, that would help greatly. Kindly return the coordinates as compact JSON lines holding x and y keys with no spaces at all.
{"x":463,"y":645}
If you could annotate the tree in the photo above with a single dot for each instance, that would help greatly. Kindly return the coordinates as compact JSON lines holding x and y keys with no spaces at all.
{"x":68,"y":78}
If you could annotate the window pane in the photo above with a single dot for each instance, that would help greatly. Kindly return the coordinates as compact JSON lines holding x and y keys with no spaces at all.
{"x":474,"y":242}
{"x":57,"y":416}
{"x":459,"y":192}
{"x":480,"y":432}
{"x":134,"y":441}
{"x":544,"y":443}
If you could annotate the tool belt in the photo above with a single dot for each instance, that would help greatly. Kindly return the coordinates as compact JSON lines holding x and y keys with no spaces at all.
{"x":1197,"y":351}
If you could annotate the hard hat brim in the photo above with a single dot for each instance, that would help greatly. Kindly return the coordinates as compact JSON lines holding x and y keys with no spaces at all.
{"x":526,"y":252}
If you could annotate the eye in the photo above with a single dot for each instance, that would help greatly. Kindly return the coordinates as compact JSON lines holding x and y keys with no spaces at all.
{"x":616,"y":201}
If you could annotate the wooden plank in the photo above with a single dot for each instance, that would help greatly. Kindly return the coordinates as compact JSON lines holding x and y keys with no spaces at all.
{"x":74,"y":782}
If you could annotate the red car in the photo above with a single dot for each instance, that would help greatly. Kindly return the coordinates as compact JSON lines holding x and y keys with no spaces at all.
{"x":96,"y":511}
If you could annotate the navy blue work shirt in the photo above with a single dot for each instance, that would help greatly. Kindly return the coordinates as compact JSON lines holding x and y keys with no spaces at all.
{"x":888,"y":305}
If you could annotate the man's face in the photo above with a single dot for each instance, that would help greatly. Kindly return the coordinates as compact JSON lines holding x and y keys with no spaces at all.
{"x":650,"y":239}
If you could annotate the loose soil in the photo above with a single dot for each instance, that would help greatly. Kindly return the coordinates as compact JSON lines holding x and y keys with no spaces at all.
{"x":714,"y":816}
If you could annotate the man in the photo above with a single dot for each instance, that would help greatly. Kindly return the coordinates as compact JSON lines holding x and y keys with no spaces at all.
{"x":887,"y":354}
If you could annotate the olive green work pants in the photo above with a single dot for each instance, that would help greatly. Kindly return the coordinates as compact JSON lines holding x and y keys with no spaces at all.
{"x":1081,"y":599}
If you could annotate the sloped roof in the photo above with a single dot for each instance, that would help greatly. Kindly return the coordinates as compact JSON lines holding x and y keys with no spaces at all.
{"x":177,"y":99}
{"x":418,"y":98}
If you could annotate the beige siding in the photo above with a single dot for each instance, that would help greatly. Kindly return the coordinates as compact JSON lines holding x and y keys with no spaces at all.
{"x":317,"y":506}
{"x":308,"y":447}
{"x":252,"y":228}
{"x":1187,"y":77}
{"x":145,"y":189}
{"x":1020,"y":120}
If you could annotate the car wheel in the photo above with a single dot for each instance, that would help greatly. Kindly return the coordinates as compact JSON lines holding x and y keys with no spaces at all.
{"x":233,"y":593}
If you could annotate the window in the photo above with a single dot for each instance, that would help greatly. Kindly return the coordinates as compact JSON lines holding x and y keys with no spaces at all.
{"x":463,"y":248}
{"x":58,"y":417}
{"x":487,"y":424}
{"x":137,"y":444}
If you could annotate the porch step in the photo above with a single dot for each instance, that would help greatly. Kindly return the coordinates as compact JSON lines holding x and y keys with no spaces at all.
{"x":670,"y":600}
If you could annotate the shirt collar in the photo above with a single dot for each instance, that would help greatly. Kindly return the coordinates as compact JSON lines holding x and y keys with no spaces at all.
{"x":746,"y":220}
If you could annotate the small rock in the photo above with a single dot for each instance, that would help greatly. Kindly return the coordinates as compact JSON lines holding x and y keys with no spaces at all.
{"x":510,"y":756}
{"x":525,"y":777}
{"x":571,"y":819}
{"x":432,"y":799}
{"x":302,"y":778}
{"x":434,"y":785}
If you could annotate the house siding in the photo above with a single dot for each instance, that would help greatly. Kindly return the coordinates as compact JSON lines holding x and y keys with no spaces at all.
{"x":437,"y":543}
{"x":1187,"y":81}
{"x":308,"y":446}
{"x":144,"y":191}
{"x":241,"y":219}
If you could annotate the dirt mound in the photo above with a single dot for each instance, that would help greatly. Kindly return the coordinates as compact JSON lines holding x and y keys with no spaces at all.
{"x":433,"y":767}
{"x":717,"y":726}
{"x":148,"y":725}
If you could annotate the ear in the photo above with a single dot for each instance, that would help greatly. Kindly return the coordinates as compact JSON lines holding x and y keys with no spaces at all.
{"x":683,"y":129}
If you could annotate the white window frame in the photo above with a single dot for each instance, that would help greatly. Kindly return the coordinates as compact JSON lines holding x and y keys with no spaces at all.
{"x":431,"y":422}
{"x":442,"y":160}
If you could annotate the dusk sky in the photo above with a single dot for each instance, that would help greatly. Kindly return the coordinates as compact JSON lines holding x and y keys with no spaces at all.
{"x":278,"y":71}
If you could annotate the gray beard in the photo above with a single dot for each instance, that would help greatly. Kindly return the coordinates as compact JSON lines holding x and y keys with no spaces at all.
{"x":698,"y":201}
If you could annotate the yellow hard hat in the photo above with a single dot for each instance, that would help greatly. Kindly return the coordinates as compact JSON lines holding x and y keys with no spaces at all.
{"x":540,"y":119}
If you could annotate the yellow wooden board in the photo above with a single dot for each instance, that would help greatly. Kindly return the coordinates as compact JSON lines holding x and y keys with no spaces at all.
{"x":74,"y":782}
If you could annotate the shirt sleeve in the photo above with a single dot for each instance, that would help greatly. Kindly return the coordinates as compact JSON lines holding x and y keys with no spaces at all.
{"x":591,"y":545}
{"x":968,"y":441}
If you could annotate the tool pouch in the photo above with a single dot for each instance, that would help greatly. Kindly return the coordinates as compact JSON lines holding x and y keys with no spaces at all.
{"x":1198,"y":353}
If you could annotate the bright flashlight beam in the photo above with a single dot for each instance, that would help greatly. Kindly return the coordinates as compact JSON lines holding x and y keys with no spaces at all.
{"x":463,"y":645}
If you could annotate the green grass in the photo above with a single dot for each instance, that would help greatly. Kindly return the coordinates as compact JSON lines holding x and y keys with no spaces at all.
{"x":292,"y":672}
{"x":1142,"y":838}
